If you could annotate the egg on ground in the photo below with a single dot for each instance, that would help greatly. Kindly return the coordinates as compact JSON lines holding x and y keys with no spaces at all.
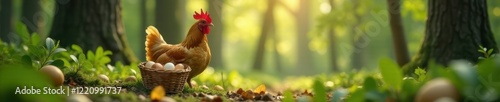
{"x":103,"y":78}
{"x":435,"y":89}
{"x":54,"y":73}
{"x":131,"y":79}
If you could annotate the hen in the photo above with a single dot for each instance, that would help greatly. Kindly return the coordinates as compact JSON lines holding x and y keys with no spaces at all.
{"x":193,"y":51}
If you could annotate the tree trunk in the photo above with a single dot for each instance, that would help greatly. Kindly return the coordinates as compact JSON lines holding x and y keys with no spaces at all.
{"x":6,"y":20}
{"x":215,"y":37}
{"x":332,"y":44}
{"x":333,"y":52}
{"x":357,"y":60}
{"x":264,"y":34}
{"x":169,"y":18}
{"x":304,"y":59}
{"x":455,"y":29}
{"x":144,"y":24}
{"x":31,"y":16}
{"x":274,"y":36}
{"x":397,"y":29}
{"x":92,"y":23}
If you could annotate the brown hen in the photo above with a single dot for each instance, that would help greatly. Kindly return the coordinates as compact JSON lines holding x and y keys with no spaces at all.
{"x":193,"y":51}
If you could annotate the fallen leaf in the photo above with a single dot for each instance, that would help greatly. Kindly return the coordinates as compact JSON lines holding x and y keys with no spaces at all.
{"x":261,"y":89}
{"x":307,"y":93}
{"x":248,"y":95}
{"x":158,"y":93}
{"x":240,"y":91}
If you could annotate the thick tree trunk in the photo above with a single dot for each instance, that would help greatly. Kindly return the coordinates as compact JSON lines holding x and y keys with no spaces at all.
{"x":454,"y":30}
{"x":169,"y":18}
{"x":31,"y":16}
{"x":264,"y":34}
{"x":304,"y":59}
{"x":6,"y":20}
{"x":215,"y":37}
{"x":92,"y":23}
{"x":397,"y":29}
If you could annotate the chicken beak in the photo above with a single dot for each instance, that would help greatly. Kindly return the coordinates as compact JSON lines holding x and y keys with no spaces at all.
{"x":211,"y":24}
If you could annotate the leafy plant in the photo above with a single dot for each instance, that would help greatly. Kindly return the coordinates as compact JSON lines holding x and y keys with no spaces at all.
{"x":487,"y":53}
{"x":421,"y":74}
{"x":391,"y":73}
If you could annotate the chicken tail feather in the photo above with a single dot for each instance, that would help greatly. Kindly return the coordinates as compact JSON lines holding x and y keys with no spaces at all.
{"x":154,"y":43}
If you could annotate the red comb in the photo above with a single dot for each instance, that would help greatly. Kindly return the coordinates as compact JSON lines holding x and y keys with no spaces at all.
{"x":203,"y":15}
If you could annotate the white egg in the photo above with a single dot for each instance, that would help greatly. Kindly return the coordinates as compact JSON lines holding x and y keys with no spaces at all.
{"x":169,"y":66}
{"x":149,"y":64}
{"x":103,"y":78}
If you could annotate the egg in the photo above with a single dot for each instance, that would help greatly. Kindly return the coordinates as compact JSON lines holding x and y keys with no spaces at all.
{"x":149,"y":64}
{"x":218,"y":87}
{"x":54,"y":73}
{"x":131,"y":79}
{"x":179,"y":67}
{"x":436,"y":89}
{"x":103,"y":78}
{"x":78,"y":98}
{"x":194,"y":83}
{"x":169,"y":66}
{"x":157,"y":66}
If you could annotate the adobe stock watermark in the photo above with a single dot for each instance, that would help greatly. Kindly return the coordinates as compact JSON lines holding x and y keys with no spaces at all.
{"x":370,"y":29}
{"x":367,"y":31}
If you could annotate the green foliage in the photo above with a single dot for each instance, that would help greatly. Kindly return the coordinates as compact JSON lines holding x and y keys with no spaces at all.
{"x":475,"y":83}
{"x":391,"y":73}
{"x":288,"y":96}
{"x":421,"y":74}
{"x":32,"y":51}
{"x":319,"y":91}
{"x":356,"y":96}
{"x":487,"y":53}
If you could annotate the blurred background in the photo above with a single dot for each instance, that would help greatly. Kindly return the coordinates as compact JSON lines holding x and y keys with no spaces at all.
{"x":279,"y":37}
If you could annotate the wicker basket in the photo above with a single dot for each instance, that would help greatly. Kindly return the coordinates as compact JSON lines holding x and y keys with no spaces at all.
{"x":173,"y":80}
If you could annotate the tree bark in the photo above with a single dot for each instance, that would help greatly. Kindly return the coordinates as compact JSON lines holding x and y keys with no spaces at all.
{"x":304,"y":59}
{"x":31,"y":16}
{"x":264,"y":34}
{"x":454,"y":30}
{"x":215,"y":37}
{"x":169,"y":15}
{"x":92,"y":23}
{"x":6,"y":20}
{"x":397,"y":29}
